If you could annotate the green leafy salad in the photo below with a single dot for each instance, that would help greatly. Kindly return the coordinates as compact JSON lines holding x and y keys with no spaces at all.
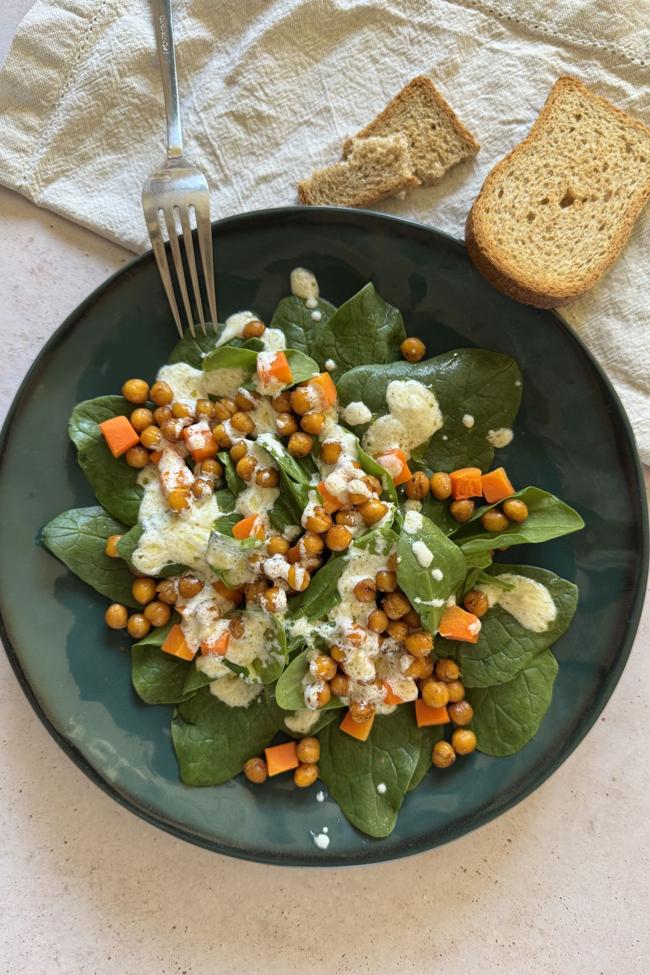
{"x":299,"y":525}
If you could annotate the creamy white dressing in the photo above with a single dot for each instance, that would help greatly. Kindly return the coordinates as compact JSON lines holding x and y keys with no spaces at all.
{"x":301,"y":722}
{"x":468,"y":421}
{"x":413,"y":417}
{"x":225,"y":554}
{"x":316,"y":316}
{"x":500,"y":438}
{"x":413,"y":522}
{"x":190,"y":384}
{"x":528,"y":601}
{"x":304,"y":284}
{"x":234,"y":691}
{"x":423,"y":554}
{"x":235,"y":325}
{"x":330,"y":365}
{"x":321,"y":840}
{"x":356,"y":413}
{"x":274,"y":340}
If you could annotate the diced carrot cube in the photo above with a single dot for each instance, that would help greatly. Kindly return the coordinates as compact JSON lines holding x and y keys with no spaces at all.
{"x":496,"y":485}
{"x":276,"y":369}
{"x":466,"y":483}
{"x":119,"y":435}
{"x":326,"y":387}
{"x":235,"y":596}
{"x":200,"y":442}
{"x":281,"y":758}
{"x":176,"y":644}
{"x":357,"y":729}
{"x":458,"y":624}
{"x":426,"y":716}
{"x":218,"y":646}
{"x":155,"y":456}
{"x":330,"y":502}
{"x":247,"y":527}
{"x":396,"y":465}
{"x":391,"y":697}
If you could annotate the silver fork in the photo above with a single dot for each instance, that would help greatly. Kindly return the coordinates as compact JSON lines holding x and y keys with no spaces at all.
{"x":171,"y":194}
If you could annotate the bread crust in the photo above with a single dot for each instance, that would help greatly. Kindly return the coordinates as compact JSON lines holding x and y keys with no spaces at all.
{"x":501,"y":271}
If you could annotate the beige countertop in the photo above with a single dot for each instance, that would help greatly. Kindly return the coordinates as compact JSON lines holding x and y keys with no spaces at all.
{"x":558,"y":884}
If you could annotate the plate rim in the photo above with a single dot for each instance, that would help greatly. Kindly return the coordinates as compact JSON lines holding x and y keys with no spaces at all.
{"x":373,"y":853}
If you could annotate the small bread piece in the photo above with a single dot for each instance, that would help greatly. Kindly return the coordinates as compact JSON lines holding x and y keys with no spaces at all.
{"x":375,"y":168}
{"x":556,"y":212}
{"x":437,"y":138}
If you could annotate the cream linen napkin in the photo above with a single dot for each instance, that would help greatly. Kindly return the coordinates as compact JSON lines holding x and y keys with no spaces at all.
{"x":270,"y":88}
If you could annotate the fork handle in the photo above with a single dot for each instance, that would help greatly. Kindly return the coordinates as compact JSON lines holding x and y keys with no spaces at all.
{"x":164,"y":22}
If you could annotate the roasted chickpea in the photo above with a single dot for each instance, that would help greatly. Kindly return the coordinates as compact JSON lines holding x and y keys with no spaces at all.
{"x":337,"y":653}
{"x":347,"y":518}
{"x":281,"y":403}
{"x":179,"y":499}
{"x":456,"y":691}
{"x":398,"y":630}
{"x":162,"y":413}
{"x":246,"y":467}
{"x":167,"y":591}
{"x":236,"y":627}
{"x":286,"y":424}
{"x":222,"y":412}
{"x":330,"y":451}
{"x":143,"y":590}
{"x":205,"y":409}
{"x":515,"y":510}
{"x":441,"y":486}
{"x":189,"y":585}
{"x":386,"y":581}
{"x":355,"y":635}
{"x":137,"y":456}
{"x":311,"y":543}
{"x":305,"y":775}
{"x":293,"y":555}
{"x":339,"y":685}
{"x":171,"y":430}
{"x":420,"y":668}
{"x":419,"y":644}
{"x":443,"y":755}
{"x":476,"y":602}
{"x":136,"y":391}
{"x":255,"y":590}
{"x":413,"y":349}
{"x":320,"y":694}
{"x":377,"y":621}
{"x":412,"y":619}
{"x":110,"y":548}
{"x":461,"y":511}
{"x":322,"y":667}
{"x":267,"y":477}
{"x":308,"y":750}
{"x":256,"y":771}
{"x":298,"y":578}
{"x":360,"y":711}
{"x":202,"y":487}
{"x":373,"y":511}
{"x":461,"y":712}
{"x":138,"y":626}
{"x":222,"y":437}
{"x":238,"y":450}
{"x":365,"y":591}
{"x":116,"y":616}
{"x":463,"y":741}
{"x":277,"y":545}
{"x":253,"y":329}
{"x":157,"y":613}
{"x":302,"y":400}
{"x":245,"y":400}
{"x":447,"y":669}
{"x":494,"y":521}
{"x":357,"y":497}
{"x":161,"y":394}
{"x":210,"y":467}
{"x":313,"y":423}
{"x":418,"y":487}
{"x":435,"y":693}
{"x":181,"y":411}
{"x":141,"y":419}
{"x":300,"y":444}
{"x":243,"y":422}
{"x":273,"y":600}
{"x":318,"y":520}
{"x":151,"y":438}
{"x":395,"y":605}
{"x":338,"y":538}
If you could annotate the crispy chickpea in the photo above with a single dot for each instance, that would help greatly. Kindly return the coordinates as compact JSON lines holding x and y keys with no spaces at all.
{"x":311,"y":543}
{"x":302,"y":400}
{"x":320,"y":694}
{"x":337,"y":653}
{"x":181,"y":411}
{"x":456,"y":691}
{"x":281,"y":403}
{"x":143,"y":590}
{"x":300,"y":444}
{"x":162,"y":413}
{"x":318,"y":521}
{"x":151,"y":438}
{"x":245,"y":400}
{"x":221,"y":412}
{"x":418,"y":487}
{"x":447,"y":669}
{"x":171,"y":430}
{"x":305,"y":775}
{"x":293,"y":555}
{"x":360,"y":711}
{"x":267,"y":477}
{"x":443,"y":755}
{"x":246,"y":467}
{"x":286,"y":424}
{"x":220,"y":434}
{"x":179,"y":499}
{"x":167,"y":591}
{"x":413,"y":349}
{"x":463,"y":741}
{"x":116,"y":616}
{"x":273,"y":600}
{"x":202,"y":487}
{"x":277,"y":545}
{"x":347,"y":518}
{"x":373,"y":483}
{"x":298,"y":578}
{"x":365,"y":591}
{"x":338,"y":538}
{"x":161,"y":394}
{"x":137,"y":456}
{"x":308,"y":750}
{"x":412,"y":619}
{"x":395,"y":605}
{"x":110,"y":547}
{"x":322,"y":667}
{"x":236,"y":627}
{"x":210,"y":467}
{"x":461,"y":712}
{"x":243,"y":422}
{"x":253,"y":329}
{"x":373,"y":511}
{"x":420,"y":668}
{"x":339,"y":685}
{"x":330,"y":451}
{"x":494,"y":521}
{"x":313,"y":423}
{"x":255,"y":590}
{"x":141,"y":419}
{"x":136,"y":391}
{"x":461,"y":511}
{"x":157,"y":613}
{"x":355,"y":635}
{"x":138,"y":626}
{"x":476,"y":602}
{"x":357,"y":497}
{"x":419,"y":644}
{"x":238,"y":450}
{"x":204,"y":409}
{"x":228,"y":404}
{"x":378,"y":621}
{"x":515,"y":510}
{"x":256,"y":771}
{"x":189,"y":585}
{"x":441,"y":486}
{"x":398,"y":630}
{"x":386,"y":580}
{"x":435,"y":693}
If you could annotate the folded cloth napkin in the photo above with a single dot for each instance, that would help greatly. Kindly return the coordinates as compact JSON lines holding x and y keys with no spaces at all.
{"x":270,"y":88}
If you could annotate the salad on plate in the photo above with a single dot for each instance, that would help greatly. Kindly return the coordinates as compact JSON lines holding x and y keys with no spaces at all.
{"x":299,"y":525}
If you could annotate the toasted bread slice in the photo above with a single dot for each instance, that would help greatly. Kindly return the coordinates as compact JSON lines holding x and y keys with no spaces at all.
{"x":553,"y":215}
{"x":375,"y":168}
{"x":437,"y":138}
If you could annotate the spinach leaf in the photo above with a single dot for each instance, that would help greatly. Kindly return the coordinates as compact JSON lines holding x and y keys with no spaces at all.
{"x":428,"y":738}
{"x":194,"y":679}
{"x":230,"y":357}
{"x":302,"y":366}
{"x":192,"y":350}
{"x":507,"y":716}
{"x":475,"y":563}
{"x":324,"y":716}
{"x":285,"y":513}
{"x":548,"y":517}
{"x":293,"y":317}
{"x":225,"y":523}
{"x":438,"y":513}
{"x":467,"y":381}
{"x":269,"y":670}
{"x":293,"y":477}
{"x":224,"y":497}
{"x":353,"y":769}
{"x":213,"y":741}
{"x":427,"y":593}
{"x":78,"y":538}
{"x":321,"y":595}
{"x":366,"y":329}
{"x":504,"y":646}
{"x":158,"y":677}
{"x":234,"y":482}
{"x":111,"y":478}
{"x":128,"y":544}
{"x":289,"y":691}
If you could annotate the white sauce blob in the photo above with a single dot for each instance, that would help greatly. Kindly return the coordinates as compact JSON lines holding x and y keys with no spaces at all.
{"x":529,"y":602}
{"x":414,"y":416}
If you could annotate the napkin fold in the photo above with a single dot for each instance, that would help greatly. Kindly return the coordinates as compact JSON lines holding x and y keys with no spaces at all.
{"x":269,"y":90}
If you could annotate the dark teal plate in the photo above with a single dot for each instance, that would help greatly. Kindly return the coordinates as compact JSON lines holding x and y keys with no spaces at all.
{"x":573,"y":438}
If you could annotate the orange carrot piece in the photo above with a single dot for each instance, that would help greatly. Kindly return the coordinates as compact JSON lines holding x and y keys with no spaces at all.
{"x":176,"y":644}
{"x":119,"y":435}
{"x":356,"y":729}
{"x":281,"y":758}
{"x":496,"y":485}
{"x":247,"y":527}
{"x":326,"y":387}
{"x":458,"y":624}
{"x":426,"y":716}
{"x":200,"y":442}
{"x":234,"y":595}
{"x":330,"y":502}
{"x":466,"y":483}
{"x":396,"y":465}
{"x":155,"y":456}
{"x":277,"y":369}
{"x":216,"y":647}
{"x":391,"y":697}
